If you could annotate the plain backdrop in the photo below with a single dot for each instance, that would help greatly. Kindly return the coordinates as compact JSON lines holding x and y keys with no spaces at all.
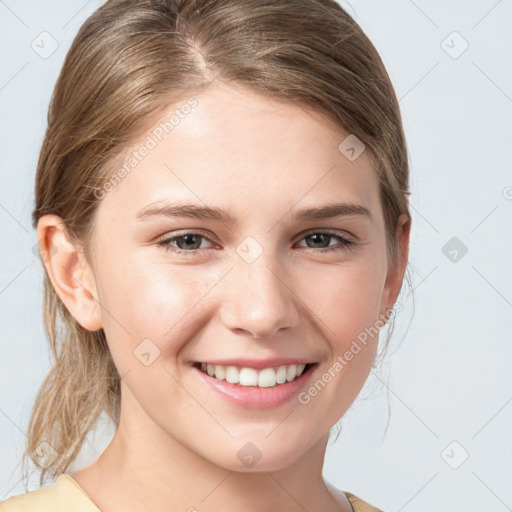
{"x":432,"y":429}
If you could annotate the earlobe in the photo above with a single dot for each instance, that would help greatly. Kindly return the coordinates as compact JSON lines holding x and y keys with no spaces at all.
{"x":69,"y":272}
{"x":396,"y":270}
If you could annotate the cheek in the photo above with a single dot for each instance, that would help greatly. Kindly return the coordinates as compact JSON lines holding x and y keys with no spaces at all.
{"x":158,"y":302}
{"x":345,"y":299}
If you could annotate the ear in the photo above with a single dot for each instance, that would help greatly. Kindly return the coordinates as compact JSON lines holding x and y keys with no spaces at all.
{"x":70,"y":274}
{"x":396,"y":268}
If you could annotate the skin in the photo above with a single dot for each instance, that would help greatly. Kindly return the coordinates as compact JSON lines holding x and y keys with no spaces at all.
{"x":260,"y":159}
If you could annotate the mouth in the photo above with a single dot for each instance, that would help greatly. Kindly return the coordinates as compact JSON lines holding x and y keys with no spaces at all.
{"x":265,"y":387}
{"x":243,"y":376}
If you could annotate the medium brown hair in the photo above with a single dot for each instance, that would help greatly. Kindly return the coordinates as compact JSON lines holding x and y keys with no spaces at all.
{"x":129,"y":61}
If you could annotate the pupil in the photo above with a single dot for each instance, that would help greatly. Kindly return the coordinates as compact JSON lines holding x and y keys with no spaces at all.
{"x":316,"y":238}
{"x":187,"y":238}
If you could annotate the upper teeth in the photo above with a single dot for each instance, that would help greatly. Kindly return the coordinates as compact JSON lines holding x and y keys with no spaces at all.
{"x":266,"y":378}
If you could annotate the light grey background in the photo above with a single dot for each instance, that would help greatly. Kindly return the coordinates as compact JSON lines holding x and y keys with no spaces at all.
{"x":447,"y":378}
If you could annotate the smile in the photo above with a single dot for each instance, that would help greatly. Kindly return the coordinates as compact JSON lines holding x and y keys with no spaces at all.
{"x":245,"y":376}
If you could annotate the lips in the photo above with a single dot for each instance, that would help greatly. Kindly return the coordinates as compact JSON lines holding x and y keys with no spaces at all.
{"x":251,"y":396}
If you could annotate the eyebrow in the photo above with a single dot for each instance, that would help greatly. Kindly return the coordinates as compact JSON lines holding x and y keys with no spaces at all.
{"x":217,"y":214}
{"x":333,"y":211}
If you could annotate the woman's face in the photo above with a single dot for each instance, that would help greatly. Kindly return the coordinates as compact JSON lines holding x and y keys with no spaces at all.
{"x":270,"y":286}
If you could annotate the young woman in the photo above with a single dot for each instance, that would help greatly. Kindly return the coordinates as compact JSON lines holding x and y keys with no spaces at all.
{"x":222,"y":210}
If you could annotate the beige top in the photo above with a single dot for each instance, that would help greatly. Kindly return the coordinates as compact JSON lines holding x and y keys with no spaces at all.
{"x":65,"y":495}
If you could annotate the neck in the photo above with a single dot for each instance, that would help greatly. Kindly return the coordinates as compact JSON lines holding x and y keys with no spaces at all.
{"x":143,"y":468}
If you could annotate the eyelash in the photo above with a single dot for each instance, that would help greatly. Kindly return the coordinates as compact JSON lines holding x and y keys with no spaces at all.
{"x":346,"y":244}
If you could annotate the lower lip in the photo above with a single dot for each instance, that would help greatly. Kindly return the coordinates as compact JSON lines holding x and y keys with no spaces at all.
{"x":255,"y":397}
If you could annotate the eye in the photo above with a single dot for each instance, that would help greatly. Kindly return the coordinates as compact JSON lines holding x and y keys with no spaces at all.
{"x":191,"y":242}
{"x":187,"y":242}
{"x":320,"y":237}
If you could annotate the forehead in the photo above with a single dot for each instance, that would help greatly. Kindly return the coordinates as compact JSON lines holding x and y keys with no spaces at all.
{"x":229,"y":146}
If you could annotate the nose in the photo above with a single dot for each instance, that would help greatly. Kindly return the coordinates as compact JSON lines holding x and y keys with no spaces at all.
{"x":259,"y":299}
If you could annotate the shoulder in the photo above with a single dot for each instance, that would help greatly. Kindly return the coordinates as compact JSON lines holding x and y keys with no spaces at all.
{"x":357,"y":504}
{"x":61,"y":496}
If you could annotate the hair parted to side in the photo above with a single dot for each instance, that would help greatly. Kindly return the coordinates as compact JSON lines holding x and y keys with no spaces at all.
{"x":129,"y":61}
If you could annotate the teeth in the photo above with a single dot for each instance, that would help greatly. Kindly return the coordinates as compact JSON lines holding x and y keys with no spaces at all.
{"x":232,"y":375}
{"x":220,"y":372}
{"x":248,"y":376}
{"x":291,"y":373}
{"x":281,"y":375}
{"x":266,"y":378}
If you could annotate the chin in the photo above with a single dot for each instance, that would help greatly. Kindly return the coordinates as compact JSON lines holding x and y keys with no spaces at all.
{"x":252,"y":454}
